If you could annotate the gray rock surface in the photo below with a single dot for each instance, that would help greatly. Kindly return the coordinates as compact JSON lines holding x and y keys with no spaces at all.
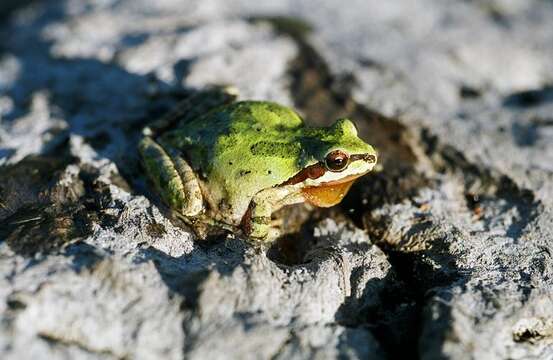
{"x":444,"y":253}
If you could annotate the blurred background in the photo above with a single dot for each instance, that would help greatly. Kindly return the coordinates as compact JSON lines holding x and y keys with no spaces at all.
{"x":444,"y":253}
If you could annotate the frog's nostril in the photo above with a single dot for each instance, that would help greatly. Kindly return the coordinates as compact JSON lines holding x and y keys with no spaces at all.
{"x":370,"y":158}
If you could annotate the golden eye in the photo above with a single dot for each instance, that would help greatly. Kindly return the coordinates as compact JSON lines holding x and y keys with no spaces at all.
{"x":336,"y":160}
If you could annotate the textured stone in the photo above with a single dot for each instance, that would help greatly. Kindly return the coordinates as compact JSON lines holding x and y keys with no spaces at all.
{"x":445,"y":252}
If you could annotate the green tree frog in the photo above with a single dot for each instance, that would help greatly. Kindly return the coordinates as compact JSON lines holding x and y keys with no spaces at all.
{"x":237,"y":162}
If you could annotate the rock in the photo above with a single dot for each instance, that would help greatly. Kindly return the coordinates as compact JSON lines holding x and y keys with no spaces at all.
{"x":443,"y":253}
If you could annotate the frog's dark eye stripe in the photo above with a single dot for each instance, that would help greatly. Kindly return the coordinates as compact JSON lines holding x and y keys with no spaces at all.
{"x":336,"y":161}
{"x":314,"y":171}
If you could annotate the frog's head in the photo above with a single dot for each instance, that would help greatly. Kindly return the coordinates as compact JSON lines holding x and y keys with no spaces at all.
{"x":336,"y":157}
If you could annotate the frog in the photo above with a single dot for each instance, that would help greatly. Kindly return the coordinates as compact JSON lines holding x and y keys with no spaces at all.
{"x":235,"y":163}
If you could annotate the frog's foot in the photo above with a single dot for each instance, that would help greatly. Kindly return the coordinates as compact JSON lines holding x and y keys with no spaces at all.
{"x":173,"y":177}
{"x":259,"y":230}
{"x":192,"y":107}
{"x":257,"y":223}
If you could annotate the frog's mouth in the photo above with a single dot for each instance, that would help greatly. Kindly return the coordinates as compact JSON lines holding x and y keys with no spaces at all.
{"x":330,"y":193}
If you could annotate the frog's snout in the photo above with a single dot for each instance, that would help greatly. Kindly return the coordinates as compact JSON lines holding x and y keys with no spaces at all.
{"x":369,"y":158}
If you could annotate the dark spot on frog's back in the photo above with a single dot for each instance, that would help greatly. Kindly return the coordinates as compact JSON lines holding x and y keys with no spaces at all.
{"x":243,"y":173}
{"x":275,"y":149}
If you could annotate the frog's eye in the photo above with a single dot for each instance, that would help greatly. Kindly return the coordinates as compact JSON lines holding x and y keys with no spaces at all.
{"x":336,"y":160}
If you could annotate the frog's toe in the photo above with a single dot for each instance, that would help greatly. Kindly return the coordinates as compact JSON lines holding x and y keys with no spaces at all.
{"x":257,"y":230}
{"x":267,"y":236}
{"x":272,"y":234}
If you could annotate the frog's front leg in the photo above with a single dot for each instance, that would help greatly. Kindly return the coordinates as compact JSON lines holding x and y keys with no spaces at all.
{"x":257,"y":222}
{"x":172,"y":176}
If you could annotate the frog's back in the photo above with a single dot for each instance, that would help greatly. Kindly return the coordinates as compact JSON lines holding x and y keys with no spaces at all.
{"x":247,"y":129}
{"x":233,"y":128}
{"x":242,"y":116}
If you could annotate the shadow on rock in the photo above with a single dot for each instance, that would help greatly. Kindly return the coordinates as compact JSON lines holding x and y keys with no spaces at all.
{"x":185,"y":274}
{"x":100,"y":102}
{"x":392,"y":308}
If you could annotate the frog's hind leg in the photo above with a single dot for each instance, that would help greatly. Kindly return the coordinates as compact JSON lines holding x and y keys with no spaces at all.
{"x":173,"y":177}
{"x":192,"y":107}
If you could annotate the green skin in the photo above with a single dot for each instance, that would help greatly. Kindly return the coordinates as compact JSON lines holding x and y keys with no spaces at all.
{"x":237,"y":158}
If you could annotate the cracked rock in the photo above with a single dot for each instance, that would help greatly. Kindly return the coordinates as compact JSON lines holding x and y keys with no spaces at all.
{"x":444,"y":252}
